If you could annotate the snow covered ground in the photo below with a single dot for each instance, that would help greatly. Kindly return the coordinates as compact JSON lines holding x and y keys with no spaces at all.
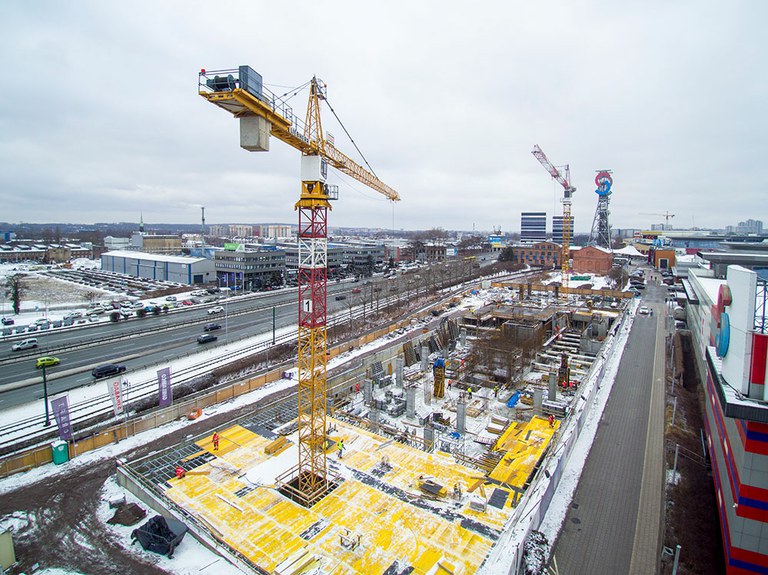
{"x":190,"y":557}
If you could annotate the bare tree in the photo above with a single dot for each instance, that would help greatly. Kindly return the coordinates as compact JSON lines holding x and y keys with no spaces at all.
{"x":16,"y":289}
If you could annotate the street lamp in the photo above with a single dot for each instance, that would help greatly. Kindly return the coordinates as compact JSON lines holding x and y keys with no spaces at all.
{"x":45,"y":399}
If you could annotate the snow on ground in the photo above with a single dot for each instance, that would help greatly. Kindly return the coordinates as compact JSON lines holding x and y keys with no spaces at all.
{"x":191,"y":556}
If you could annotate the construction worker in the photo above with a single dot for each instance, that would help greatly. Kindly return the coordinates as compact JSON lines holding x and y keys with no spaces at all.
{"x":469,"y":392}
{"x":496,"y":391}
{"x":340,"y":447}
{"x":180,"y":472}
{"x":551,"y":420}
{"x":216,"y":439}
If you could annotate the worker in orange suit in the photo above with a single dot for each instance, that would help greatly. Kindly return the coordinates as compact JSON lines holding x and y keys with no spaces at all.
{"x":551,"y":420}
{"x":180,"y":472}
{"x":216,"y":439}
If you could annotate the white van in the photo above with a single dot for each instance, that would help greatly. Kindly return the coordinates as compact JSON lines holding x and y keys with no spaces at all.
{"x":29,"y":343}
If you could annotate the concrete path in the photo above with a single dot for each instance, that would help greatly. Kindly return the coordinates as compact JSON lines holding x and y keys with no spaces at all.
{"x":614,"y":524}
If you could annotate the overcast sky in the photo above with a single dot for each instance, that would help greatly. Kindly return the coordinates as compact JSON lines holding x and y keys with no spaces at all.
{"x":100,"y":119}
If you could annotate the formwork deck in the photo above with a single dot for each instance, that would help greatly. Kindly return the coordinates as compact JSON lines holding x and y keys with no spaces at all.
{"x":397,"y":509}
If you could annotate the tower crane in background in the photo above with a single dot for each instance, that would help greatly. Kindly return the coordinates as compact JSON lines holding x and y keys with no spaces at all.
{"x":263,"y":114}
{"x":568,"y":191}
{"x":666,"y":215}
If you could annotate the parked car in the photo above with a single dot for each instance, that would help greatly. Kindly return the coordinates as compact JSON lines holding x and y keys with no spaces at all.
{"x":46,"y":361}
{"x":211,"y":326}
{"x":107,"y":369}
{"x":8,"y":321}
{"x":206,"y":338}
{"x":29,"y":343}
{"x":215,"y":309}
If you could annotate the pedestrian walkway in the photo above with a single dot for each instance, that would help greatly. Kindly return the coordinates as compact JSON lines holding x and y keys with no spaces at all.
{"x":614,"y":521}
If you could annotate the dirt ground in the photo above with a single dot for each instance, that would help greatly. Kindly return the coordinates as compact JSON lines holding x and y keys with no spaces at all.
{"x":62,"y":528}
{"x":691,"y":508}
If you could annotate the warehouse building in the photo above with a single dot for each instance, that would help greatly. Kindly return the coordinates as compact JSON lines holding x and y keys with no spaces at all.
{"x":180,"y":269}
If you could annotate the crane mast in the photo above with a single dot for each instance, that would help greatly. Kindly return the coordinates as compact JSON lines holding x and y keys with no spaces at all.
{"x":262,"y":115}
{"x":568,"y":191}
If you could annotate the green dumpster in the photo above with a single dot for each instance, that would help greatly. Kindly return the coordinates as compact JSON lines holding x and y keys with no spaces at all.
{"x":60,"y":452}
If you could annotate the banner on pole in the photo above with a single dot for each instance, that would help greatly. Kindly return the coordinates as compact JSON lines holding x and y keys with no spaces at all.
{"x":60,"y":409}
{"x":115,"y":391}
{"x":164,"y":384}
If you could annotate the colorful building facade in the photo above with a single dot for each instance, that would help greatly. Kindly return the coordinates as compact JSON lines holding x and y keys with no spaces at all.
{"x":728,"y":323}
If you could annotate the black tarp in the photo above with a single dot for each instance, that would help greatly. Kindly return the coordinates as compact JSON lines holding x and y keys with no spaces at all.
{"x":160,"y":534}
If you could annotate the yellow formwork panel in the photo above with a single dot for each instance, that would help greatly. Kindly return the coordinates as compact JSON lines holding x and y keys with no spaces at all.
{"x":524,"y":446}
{"x":394,"y":529}
{"x":265,"y":526}
{"x":230,"y":439}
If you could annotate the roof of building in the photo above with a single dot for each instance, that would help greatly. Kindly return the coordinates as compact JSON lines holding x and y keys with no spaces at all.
{"x":154,"y":257}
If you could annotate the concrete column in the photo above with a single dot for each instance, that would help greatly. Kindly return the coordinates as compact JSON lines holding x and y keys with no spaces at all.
{"x":429,"y":436}
{"x":424,"y":357}
{"x":463,"y":337}
{"x":368,"y":392}
{"x":410,"y":402}
{"x":373,"y":416}
{"x":461,"y":416}
{"x":427,"y":389}
{"x":399,"y":365}
{"x":552,"y":386}
{"x":538,"y":397}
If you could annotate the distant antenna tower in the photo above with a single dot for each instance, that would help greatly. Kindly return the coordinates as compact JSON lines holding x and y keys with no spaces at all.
{"x":202,"y":226}
{"x":601,"y":227}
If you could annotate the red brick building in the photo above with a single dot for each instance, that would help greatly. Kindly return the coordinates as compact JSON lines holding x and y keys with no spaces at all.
{"x":592,"y":260}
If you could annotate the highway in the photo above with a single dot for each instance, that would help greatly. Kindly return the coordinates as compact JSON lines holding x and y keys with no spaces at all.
{"x":150,"y":340}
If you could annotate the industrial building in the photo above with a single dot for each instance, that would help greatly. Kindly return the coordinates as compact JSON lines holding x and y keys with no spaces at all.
{"x":729,"y":331}
{"x":180,"y":269}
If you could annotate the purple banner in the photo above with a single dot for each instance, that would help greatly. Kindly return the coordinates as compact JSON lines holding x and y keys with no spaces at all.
{"x":164,"y":383}
{"x":60,"y":409}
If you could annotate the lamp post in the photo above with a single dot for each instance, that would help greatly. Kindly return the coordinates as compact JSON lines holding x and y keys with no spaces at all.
{"x":45,"y":399}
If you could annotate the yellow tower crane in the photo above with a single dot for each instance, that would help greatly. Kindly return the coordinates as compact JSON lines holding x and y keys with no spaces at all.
{"x":568,"y":190}
{"x":263,"y":114}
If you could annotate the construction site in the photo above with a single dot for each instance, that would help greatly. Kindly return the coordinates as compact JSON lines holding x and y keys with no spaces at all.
{"x":425,"y":456}
{"x":422,"y":461}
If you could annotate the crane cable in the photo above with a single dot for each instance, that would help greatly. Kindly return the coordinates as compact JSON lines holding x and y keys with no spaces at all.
{"x":349,"y":136}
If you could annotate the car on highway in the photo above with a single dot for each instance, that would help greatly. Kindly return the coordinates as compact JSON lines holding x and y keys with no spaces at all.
{"x":107,"y":369}
{"x":206,"y":338}
{"x":215,"y":309}
{"x":211,"y":326}
{"x":29,"y":343}
{"x":643,"y":310}
{"x":46,"y":361}
{"x":340,"y":297}
{"x":171,"y":298}
{"x":8,"y":321}
{"x":187,"y":302}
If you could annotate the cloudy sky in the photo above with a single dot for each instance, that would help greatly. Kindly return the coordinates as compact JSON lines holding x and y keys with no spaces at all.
{"x":100,"y":119}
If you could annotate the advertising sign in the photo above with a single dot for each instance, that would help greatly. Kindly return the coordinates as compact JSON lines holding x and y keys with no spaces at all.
{"x":60,"y":409}
{"x":164,"y":384}
{"x":115,"y":391}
